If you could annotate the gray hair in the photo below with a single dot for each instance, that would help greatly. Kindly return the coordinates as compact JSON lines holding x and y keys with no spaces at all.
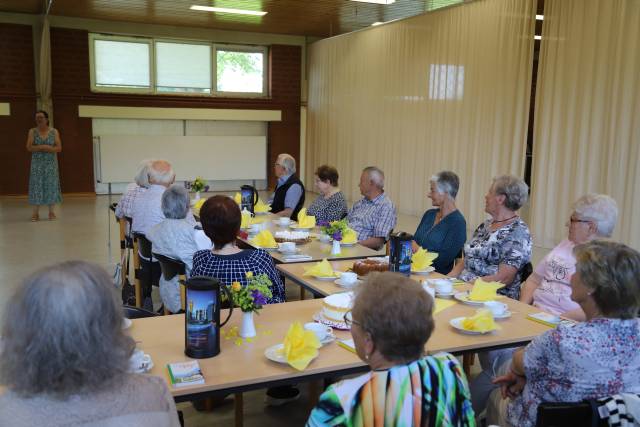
{"x":175,"y":202}
{"x":446,"y":182}
{"x":515,"y":191}
{"x":161,"y":173}
{"x":599,"y":208}
{"x":63,"y":333}
{"x":376,"y":176}
{"x":287,"y":162}
{"x":142,"y":177}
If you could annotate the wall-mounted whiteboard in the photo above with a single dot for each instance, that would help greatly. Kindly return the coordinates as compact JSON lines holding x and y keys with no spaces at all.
{"x":214,"y":158}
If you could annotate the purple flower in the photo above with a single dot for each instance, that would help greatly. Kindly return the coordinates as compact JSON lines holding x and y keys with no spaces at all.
{"x":206,"y":188}
{"x":258,"y":298}
{"x":323,"y":223}
{"x":337,"y":236}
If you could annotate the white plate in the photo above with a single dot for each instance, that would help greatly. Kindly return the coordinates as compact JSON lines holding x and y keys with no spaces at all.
{"x":327,"y":278}
{"x":340,"y":283}
{"x":297,"y":227}
{"x":262,"y":213}
{"x":425,"y":271}
{"x":275,"y":248}
{"x":276,"y":222}
{"x":444,"y":294}
{"x":126,"y":323}
{"x":463,"y":297}
{"x":348,"y":245}
{"x":293,"y":252}
{"x":318,"y":317}
{"x":456,"y":323}
{"x":274,"y":354}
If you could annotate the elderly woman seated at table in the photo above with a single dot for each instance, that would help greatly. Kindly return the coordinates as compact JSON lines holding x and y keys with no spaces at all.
{"x":443,"y":229}
{"x":594,"y":216}
{"x":391,"y":322}
{"x":330,"y":204}
{"x":221,"y":218}
{"x":139,"y":185}
{"x":501,"y":246}
{"x":176,"y":238}
{"x":588,"y":360}
{"x":65,"y":356}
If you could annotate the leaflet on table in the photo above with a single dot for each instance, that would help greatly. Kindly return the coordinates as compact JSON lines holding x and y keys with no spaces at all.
{"x":185,"y":373}
{"x":348,"y":344}
{"x":549,"y":319}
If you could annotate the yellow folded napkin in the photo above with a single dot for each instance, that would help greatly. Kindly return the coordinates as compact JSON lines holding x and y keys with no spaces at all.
{"x":300,"y":346}
{"x":482,"y":321}
{"x":261,"y":207}
{"x":237,"y":198}
{"x":304,"y":220}
{"x":246,"y":219}
{"x":484,"y":291}
{"x":264,"y":239}
{"x":349,"y":236}
{"x":442,"y":304}
{"x":422,"y":259}
{"x":321,"y":269}
{"x":197,"y":205}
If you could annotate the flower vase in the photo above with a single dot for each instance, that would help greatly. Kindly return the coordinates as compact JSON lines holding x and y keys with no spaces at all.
{"x":248,"y":328}
{"x":335,"y":248}
{"x":197,"y":197}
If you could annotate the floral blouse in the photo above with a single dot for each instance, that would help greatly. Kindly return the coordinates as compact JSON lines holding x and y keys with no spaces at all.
{"x":488,"y":249}
{"x":326,"y":210}
{"x":587,"y":360}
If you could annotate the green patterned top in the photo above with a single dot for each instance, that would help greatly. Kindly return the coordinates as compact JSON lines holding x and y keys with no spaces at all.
{"x":44,"y":183}
{"x":432,"y":391}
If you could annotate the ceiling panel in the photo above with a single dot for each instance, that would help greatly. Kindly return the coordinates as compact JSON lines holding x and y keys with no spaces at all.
{"x":320,"y":18}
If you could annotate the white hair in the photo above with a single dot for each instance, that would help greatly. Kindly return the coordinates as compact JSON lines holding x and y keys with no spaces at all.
{"x":175,"y":202}
{"x":287,"y":162}
{"x":142,"y":177}
{"x":375,"y":175}
{"x":446,"y":182}
{"x":161,"y":176}
{"x":599,"y":208}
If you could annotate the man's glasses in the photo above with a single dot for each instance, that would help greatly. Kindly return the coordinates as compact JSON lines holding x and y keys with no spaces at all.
{"x":572,"y":220}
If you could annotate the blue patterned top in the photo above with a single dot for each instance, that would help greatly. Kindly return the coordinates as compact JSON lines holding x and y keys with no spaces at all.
{"x":510,"y":245}
{"x":373,"y":218}
{"x":232,"y":268}
{"x":587,"y":360}
{"x":446,"y":238}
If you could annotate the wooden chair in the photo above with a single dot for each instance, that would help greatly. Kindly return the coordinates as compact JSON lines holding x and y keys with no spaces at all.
{"x":561,"y":414}
{"x":171,"y":268}
{"x":142,"y":246}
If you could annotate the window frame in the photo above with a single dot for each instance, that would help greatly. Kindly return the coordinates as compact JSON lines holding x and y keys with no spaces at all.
{"x":153,"y":87}
{"x":93,"y":37}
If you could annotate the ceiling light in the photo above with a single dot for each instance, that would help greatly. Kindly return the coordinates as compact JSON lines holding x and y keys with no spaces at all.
{"x":377,"y":23}
{"x":376,"y":1}
{"x":537,"y":37}
{"x":539,"y":17}
{"x":228,"y":10}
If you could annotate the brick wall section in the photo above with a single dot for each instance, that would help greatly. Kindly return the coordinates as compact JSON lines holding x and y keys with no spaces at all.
{"x":17,"y":87}
{"x":71,"y":87}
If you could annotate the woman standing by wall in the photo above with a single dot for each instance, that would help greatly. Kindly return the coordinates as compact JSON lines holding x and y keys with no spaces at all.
{"x":44,"y":184}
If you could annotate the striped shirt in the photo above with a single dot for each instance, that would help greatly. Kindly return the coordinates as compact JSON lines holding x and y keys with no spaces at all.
{"x":432,"y":392}
{"x":373,"y":218}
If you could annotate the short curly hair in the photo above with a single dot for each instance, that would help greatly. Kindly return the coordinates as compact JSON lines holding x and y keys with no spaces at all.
{"x":397,"y":312}
{"x":328,"y":173}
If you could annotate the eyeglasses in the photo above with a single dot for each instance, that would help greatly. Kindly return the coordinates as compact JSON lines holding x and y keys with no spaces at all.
{"x":572,"y":220}
{"x":348,"y":320}
{"x":278,"y":164}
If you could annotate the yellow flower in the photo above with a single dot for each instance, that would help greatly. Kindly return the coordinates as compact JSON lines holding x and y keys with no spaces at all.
{"x":236,"y":286}
{"x":249,"y":274}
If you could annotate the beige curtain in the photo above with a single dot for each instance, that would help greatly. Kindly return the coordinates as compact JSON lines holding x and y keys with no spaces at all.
{"x":44,"y":72}
{"x":444,"y":90}
{"x":587,"y":126}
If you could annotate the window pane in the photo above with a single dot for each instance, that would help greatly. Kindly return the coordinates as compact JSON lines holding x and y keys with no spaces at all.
{"x":183,"y":67}
{"x":239,"y":71}
{"x":437,"y":4}
{"x":124,"y":64}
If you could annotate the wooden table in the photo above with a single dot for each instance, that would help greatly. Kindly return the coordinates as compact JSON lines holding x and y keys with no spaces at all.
{"x":244,"y":367}
{"x":316,"y":249}
{"x":295,"y":273}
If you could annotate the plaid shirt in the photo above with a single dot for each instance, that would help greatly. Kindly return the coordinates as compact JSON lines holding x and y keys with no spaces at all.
{"x":373,"y":218}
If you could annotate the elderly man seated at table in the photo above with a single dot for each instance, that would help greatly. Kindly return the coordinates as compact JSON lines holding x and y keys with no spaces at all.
{"x":288,"y":197}
{"x":374,"y":216}
{"x":391,"y":321}
{"x":66,"y":358}
{"x":589,"y":360}
{"x":594,"y":216}
{"x":176,"y":238}
{"x":138,"y":186}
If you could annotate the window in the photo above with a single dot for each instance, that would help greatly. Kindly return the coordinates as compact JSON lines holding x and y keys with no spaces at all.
{"x":437,"y":4}
{"x":145,"y":65}
{"x":446,"y":81}
{"x":240,"y":70}
{"x":123,"y":64}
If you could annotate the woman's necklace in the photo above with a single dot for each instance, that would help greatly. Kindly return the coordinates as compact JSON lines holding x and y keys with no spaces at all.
{"x":503,"y":220}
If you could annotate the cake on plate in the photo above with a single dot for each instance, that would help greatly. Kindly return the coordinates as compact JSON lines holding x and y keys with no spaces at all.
{"x":363,"y":267}
{"x":335,"y":306}
{"x":292,"y":236}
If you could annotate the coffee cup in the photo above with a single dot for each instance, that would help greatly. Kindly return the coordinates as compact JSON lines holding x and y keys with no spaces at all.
{"x":348,"y":278}
{"x":284,"y":220}
{"x":287,"y":247}
{"x":429,"y":289}
{"x":497,"y":308}
{"x":442,"y":286}
{"x":139,"y":360}
{"x":321,"y":331}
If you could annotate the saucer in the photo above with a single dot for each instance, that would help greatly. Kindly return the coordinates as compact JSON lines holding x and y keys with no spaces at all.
{"x":327,"y":278}
{"x":318,"y":317}
{"x":463,"y":297}
{"x":293,"y":252}
{"x":503,"y":316}
{"x":340,"y":283}
{"x":445,"y":294}
{"x":425,"y":271}
{"x":456,"y":323}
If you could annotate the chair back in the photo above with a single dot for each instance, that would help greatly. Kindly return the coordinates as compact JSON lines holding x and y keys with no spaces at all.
{"x":170,"y":267}
{"x":562,"y":414}
{"x":128,"y":237}
{"x":137,"y":312}
{"x":144,"y":245}
{"x":526,"y":271}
